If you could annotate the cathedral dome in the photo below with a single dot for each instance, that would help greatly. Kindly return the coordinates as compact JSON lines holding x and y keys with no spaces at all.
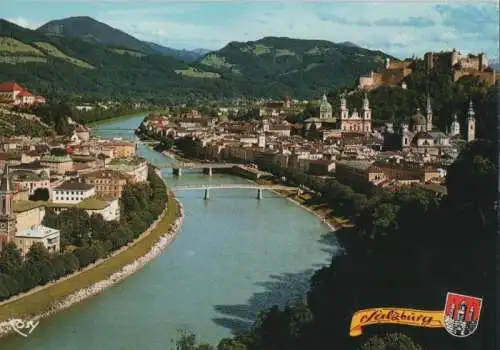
{"x":325,"y":106}
{"x":418,"y":119}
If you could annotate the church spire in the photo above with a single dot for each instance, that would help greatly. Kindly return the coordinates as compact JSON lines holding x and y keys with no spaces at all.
{"x":429,"y":113}
{"x":470,"y":112}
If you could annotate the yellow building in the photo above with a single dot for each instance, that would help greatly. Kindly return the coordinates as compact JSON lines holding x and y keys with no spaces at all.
{"x":122,"y":149}
{"x":108,"y":183}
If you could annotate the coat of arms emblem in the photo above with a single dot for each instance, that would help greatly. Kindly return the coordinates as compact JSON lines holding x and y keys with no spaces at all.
{"x":461,"y":314}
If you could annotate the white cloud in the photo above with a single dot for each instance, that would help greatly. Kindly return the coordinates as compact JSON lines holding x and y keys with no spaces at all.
{"x":23,"y":22}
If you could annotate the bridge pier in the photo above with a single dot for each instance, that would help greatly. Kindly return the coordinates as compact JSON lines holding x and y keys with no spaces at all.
{"x":207,"y":194}
{"x":177,"y":171}
{"x":208,"y":171}
{"x":259,"y":194}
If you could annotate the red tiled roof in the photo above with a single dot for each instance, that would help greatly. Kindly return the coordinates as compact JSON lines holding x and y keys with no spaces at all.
{"x":24,"y":94}
{"x":10,"y":86}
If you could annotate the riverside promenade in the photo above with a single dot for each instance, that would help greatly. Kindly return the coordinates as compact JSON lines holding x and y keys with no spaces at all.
{"x":45,"y":300}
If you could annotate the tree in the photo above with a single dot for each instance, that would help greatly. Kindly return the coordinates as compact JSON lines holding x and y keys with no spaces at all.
{"x":40,"y":194}
{"x":10,"y":258}
{"x":390,"y":341}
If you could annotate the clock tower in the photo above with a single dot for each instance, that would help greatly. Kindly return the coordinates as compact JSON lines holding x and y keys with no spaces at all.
{"x":7,"y":217}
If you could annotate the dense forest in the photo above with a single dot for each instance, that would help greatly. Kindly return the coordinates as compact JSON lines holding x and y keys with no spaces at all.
{"x":84,"y":238}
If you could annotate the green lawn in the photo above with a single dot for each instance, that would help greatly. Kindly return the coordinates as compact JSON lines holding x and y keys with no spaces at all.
{"x":41,"y":301}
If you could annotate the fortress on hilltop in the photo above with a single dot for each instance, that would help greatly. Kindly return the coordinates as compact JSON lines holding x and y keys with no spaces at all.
{"x":393,"y":73}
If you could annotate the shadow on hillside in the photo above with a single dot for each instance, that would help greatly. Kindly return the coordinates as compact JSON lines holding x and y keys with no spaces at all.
{"x":277,"y":290}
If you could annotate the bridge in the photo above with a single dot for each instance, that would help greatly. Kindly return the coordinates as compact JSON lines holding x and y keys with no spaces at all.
{"x":207,"y":167}
{"x":259,"y":188}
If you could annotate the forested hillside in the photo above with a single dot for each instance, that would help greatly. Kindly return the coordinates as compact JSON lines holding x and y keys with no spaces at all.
{"x":59,"y":66}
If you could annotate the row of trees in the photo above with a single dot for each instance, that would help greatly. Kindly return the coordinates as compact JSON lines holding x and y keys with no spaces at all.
{"x":84,"y":239}
{"x":406,"y":249}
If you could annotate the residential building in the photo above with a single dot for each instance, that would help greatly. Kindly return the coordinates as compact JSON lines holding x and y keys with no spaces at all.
{"x":108,"y":208}
{"x":72,"y":192}
{"x":108,"y":183}
{"x":57,"y":164}
{"x":27,"y":180}
{"x":136,"y":167}
{"x":49,"y":237}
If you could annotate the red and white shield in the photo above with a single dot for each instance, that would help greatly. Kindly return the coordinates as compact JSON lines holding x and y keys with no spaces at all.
{"x":461,"y":314}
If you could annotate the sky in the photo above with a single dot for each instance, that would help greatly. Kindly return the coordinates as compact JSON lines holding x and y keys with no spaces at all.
{"x":401,"y":28}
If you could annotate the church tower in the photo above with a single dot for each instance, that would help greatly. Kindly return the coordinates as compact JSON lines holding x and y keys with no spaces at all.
{"x":367,"y":115}
{"x":455,"y":126}
{"x":471,"y":123}
{"x":429,"y":114}
{"x":344,"y":111}
{"x":7,"y":217}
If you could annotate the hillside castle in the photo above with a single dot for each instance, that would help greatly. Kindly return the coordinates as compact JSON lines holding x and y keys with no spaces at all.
{"x":457,"y":64}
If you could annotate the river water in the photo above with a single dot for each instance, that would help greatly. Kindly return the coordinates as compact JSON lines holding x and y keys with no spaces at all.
{"x":234,"y":256}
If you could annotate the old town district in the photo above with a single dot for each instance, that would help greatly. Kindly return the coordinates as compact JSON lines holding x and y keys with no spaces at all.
{"x":82,"y":171}
{"x":58,"y":174}
{"x":346,"y":146}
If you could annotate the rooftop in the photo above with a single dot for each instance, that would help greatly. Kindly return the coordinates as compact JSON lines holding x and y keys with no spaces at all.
{"x":56,"y":159}
{"x":73,"y":185}
{"x":87,"y":204}
{"x":20,"y":206}
{"x":37,"y":232}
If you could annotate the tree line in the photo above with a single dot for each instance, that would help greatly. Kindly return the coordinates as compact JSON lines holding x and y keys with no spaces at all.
{"x":84,"y":239}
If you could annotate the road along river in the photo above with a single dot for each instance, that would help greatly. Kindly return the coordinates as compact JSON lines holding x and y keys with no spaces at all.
{"x":233,"y":256}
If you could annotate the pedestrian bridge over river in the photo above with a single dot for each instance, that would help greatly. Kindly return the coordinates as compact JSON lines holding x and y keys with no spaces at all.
{"x":257,"y":187}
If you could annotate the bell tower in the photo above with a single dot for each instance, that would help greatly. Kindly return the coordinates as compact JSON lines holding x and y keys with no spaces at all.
{"x":471,"y":123}
{"x":7,"y":217}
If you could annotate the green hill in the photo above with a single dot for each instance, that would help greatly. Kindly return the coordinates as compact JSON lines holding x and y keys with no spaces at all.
{"x":303,"y":67}
{"x":93,"y":67}
{"x":95,"y":32}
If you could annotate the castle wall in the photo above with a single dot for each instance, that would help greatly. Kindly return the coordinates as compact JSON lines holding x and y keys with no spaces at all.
{"x":489,"y":77}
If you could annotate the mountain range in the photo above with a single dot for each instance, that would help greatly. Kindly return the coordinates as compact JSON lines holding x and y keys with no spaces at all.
{"x":80,"y":57}
{"x":92,"y":31}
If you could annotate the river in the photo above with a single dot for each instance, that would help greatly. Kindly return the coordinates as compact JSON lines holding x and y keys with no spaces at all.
{"x":233,"y":256}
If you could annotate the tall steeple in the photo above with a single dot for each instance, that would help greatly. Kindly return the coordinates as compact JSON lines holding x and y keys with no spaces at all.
{"x":7,"y":217}
{"x":471,"y":123}
{"x":429,"y":114}
{"x":344,"y":111}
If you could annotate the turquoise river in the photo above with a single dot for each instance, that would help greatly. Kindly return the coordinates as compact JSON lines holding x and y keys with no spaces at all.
{"x":234,"y":256}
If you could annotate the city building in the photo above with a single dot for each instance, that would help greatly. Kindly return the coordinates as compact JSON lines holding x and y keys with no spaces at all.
{"x":107,"y":182}
{"x":136,"y":167}
{"x":355,"y":122}
{"x":26,"y":229}
{"x":108,"y":208}
{"x":49,"y":237}
{"x":57,"y":164}
{"x":72,"y":192}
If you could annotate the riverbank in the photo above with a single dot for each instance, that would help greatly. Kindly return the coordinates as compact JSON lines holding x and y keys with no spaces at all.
{"x":92,"y":280}
{"x":120,"y":117}
{"x":307,"y":200}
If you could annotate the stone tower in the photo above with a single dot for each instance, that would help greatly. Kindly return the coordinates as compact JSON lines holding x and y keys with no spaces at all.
{"x":455,"y":126}
{"x":344,"y":111}
{"x":7,"y":217}
{"x":429,"y":114}
{"x":325,"y":109}
{"x":367,"y":115}
{"x":471,"y":123}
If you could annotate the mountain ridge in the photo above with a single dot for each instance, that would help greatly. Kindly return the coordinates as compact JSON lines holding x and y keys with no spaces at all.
{"x":60,"y":65}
